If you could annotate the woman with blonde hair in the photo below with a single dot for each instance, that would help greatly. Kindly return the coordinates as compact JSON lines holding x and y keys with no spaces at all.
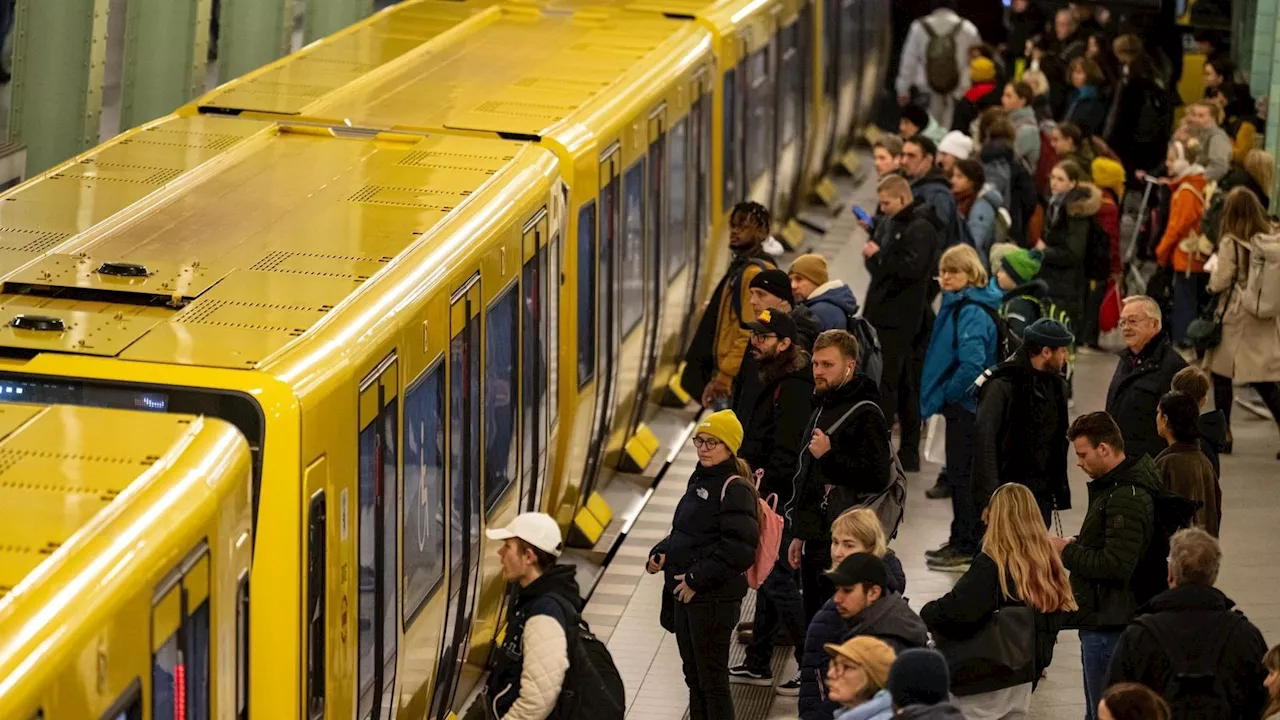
{"x":963,"y":344}
{"x":1018,"y":566}
{"x":1271,"y":661}
{"x":1250,"y":348}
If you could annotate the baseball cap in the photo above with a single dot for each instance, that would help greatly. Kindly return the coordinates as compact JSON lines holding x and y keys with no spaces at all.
{"x":859,"y":568}
{"x":537,"y":529}
{"x":774,"y":322}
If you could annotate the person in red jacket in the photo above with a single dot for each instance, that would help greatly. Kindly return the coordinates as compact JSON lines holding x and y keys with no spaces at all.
{"x":1186,"y":208}
{"x":980,"y":96}
{"x":1108,"y":176}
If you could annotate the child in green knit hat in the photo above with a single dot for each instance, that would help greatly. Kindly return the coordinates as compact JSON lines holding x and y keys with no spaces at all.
{"x":1023,"y":292}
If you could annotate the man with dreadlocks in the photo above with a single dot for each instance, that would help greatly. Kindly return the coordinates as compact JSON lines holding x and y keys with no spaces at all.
{"x":715,"y":353}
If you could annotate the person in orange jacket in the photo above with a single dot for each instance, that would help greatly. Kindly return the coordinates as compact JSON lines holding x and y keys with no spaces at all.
{"x":1177,"y":246}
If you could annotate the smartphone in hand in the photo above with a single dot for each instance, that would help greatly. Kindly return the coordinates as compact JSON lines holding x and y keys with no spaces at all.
{"x":862,"y":215}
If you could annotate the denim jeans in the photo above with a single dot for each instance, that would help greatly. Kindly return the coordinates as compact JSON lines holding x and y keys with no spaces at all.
{"x":1189,"y":295}
{"x":1096,"y":648}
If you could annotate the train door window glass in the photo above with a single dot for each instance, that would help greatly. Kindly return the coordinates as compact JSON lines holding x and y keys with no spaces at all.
{"x":500,"y":392}
{"x":242,"y":647}
{"x":550,"y":350}
{"x":632,"y":280}
{"x":586,"y":293}
{"x":703,"y":150}
{"x":677,"y":166}
{"x":378,"y":577}
{"x":655,"y":220}
{"x":789,"y":76}
{"x":317,"y":564}
{"x":533,"y":372}
{"x":180,"y":678}
{"x":127,"y":707}
{"x":730,"y":149}
{"x":758,"y":114}
{"x":423,"y":491}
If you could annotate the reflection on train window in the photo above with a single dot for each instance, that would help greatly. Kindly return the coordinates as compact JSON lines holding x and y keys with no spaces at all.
{"x":127,"y":707}
{"x":533,"y":372}
{"x":552,"y":299}
{"x":702,"y":109}
{"x":501,"y":389}
{"x":677,"y":167}
{"x":377,"y":533}
{"x":759,"y":115}
{"x":180,"y":658}
{"x":655,"y":221}
{"x":317,"y":591}
{"x":632,"y":309}
{"x":729,"y":151}
{"x":790,"y":77}
{"x":423,"y":490}
{"x":586,"y":293}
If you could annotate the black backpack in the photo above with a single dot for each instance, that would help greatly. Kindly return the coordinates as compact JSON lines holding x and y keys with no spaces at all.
{"x":1194,"y":689}
{"x":1006,"y":342}
{"x":940,"y":68}
{"x":870,"y":354}
{"x":1172,"y":513}
{"x":593,"y":688}
{"x":1097,"y":253}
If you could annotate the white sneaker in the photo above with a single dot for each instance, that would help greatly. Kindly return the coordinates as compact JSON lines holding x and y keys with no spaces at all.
{"x":790,"y":688}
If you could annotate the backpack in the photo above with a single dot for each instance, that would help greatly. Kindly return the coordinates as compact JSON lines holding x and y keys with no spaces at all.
{"x":770,"y":533}
{"x":870,"y":354}
{"x":940,"y":68}
{"x":1261,"y":296}
{"x":1194,"y":689}
{"x":592,"y":688}
{"x":1172,"y":513}
{"x":889,"y":504}
{"x":1097,"y":252}
{"x":1006,"y":342}
{"x":1003,"y":227}
{"x":1195,"y":242}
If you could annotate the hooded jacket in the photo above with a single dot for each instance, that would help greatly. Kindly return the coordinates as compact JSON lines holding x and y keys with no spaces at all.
{"x":530,"y":666}
{"x":1186,"y":471}
{"x":963,"y":344}
{"x":1140,"y":380}
{"x":1026,"y":143}
{"x":935,"y":189}
{"x":1014,"y":183}
{"x":982,"y":220}
{"x":1186,"y":208}
{"x":859,"y":457}
{"x":1191,"y":618}
{"x":1066,"y":240}
{"x":1021,"y":435}
{"x":713,"y":540}
{"x":1112,"y":539}
{"x":894,"y":622}
{"x":901,"y":272}
{"x":1021,"y":306}
{"x":832,"y":302}
{"x":774,"y":424}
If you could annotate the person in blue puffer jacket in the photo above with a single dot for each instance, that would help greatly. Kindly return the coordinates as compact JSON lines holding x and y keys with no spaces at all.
{"x":857,"y":530}
{"x":962,"y":346}
{"x":830,"y":300}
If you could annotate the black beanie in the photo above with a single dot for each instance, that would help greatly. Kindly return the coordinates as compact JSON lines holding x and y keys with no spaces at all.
{"x":919,"y":677}
{"x":774,"y":282}
{"x":917,"y":115}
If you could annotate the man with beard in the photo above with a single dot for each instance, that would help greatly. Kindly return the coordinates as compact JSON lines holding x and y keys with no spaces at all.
{"x":848,"y":457}
{"x":772,"y":439}
{"x":770,"y":290}
{"x":715,"y":353}
{"x":1021,"y":434}
{"x":928,"y":183}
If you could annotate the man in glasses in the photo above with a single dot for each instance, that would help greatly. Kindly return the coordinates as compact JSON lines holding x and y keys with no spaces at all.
{"x":1143,"y":375}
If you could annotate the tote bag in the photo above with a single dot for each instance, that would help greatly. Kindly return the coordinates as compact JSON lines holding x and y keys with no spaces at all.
{"x":1001,"y":654}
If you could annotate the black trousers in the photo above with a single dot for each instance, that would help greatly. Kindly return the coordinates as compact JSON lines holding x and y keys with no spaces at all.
{"x":899,"y":387}
{"x":703,"y":632}
{"x":815,"y":587}
{"x":778,"y":603}
{"x":966,"y":523}
{"x":1224,"y":396}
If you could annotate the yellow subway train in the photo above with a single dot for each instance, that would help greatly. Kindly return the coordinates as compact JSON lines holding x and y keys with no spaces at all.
{"x":434,"y":270}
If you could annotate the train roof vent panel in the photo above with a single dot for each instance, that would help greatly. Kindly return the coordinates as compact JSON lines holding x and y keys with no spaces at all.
{"x":133,"y":280}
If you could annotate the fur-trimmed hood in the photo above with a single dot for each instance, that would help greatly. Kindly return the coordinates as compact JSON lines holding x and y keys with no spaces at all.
{"x":1084,"y":201}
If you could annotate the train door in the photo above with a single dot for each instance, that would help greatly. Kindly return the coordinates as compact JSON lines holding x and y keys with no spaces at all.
{"x":761,"y":85}
{"x":606,"y":315}
{"x":652,"y":208}
{"x":535,"y":329}
{"x":787,"y":149}
{"x":464,"y":490}
{"x":379,"y":443}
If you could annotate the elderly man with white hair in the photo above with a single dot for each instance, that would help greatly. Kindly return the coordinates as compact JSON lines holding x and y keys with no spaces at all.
{"x":1143,"y":375}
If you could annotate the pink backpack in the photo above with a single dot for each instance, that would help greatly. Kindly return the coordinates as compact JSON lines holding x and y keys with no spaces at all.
{"x":770,"y":533}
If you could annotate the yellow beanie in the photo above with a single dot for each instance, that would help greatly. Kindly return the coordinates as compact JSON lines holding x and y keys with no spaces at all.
{"x":1109,"y":174}
{"x":723,"y":426}
{"x":981,"y":69}
{"x":811,"y":267}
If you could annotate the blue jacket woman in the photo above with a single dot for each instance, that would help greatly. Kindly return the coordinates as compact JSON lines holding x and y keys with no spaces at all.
{"x":962,"y":346}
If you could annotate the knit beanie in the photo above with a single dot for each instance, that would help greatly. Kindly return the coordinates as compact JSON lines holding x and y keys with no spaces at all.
{"x":956,"y":144}
{"x":1049,"y":333}
{"x":723,"y":426}
{"x":919,"y":677}
{"x":811,"y":267}
{"x":981,"y":70}
{"x":774,"y":282}
{"x":916,"y":115}
{"x":1109,"y":174}
{"x":871,"y":654}
{"x":1022,"y":265}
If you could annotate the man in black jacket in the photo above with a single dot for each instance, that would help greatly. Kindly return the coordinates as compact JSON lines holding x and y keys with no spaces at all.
{"x":868,"y":609}
{"x":919,"y":155}
{"x":772,"y":440}
{"x":1021,"y":434}
{"x":1105,"y":556}
{"x":848,"y":456}
{"x":1143,"y":375}
{"x":1192,"y":629}
{"x":897,"y":297}
{"x":770,"y":290}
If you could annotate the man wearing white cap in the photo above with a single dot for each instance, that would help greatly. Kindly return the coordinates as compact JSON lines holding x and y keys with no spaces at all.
{"x":954,"y":146}
{"x":529,"y":669}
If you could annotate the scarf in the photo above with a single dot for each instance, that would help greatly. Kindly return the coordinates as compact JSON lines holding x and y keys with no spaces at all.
{"x":1057,"y":202}
{"x":964,"y":202}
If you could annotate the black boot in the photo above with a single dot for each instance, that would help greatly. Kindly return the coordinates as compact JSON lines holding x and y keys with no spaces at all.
{"x":941,"y":489}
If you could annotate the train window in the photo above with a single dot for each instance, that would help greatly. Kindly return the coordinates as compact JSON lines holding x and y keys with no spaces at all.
{"x":759,"y":115}
{"x":500,"y":392}
{"x":586,"y":293}
{"x":317,"y":591}
{"x":655,"y":220}
{"x":180,"y":679}
{"x":533,"y":372}
{"x":702,"y":109}
{"x":677,"y":167}
{"x":423,"y":491}
{"x":729,"y":151}
{"x":127,"y":707}
{"x":790,"y":78}
{"x":242,"y":647}
{"x":377,"y":578}
{"x":552,"y":314}
{"x":632,"y":309}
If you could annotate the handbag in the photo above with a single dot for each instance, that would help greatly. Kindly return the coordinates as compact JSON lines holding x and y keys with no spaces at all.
{"x":1001,"y":654}
{"x":1205,"y":332}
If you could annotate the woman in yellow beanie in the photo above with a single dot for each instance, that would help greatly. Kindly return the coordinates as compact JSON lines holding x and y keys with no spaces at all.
{"x":713,"y":539}
{"x":856,"y":678}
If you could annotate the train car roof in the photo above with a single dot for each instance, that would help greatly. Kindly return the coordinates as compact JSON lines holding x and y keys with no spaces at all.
{"x":519,"y":72}
{"x":62,"y":465}
{"x":231,"y":262}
